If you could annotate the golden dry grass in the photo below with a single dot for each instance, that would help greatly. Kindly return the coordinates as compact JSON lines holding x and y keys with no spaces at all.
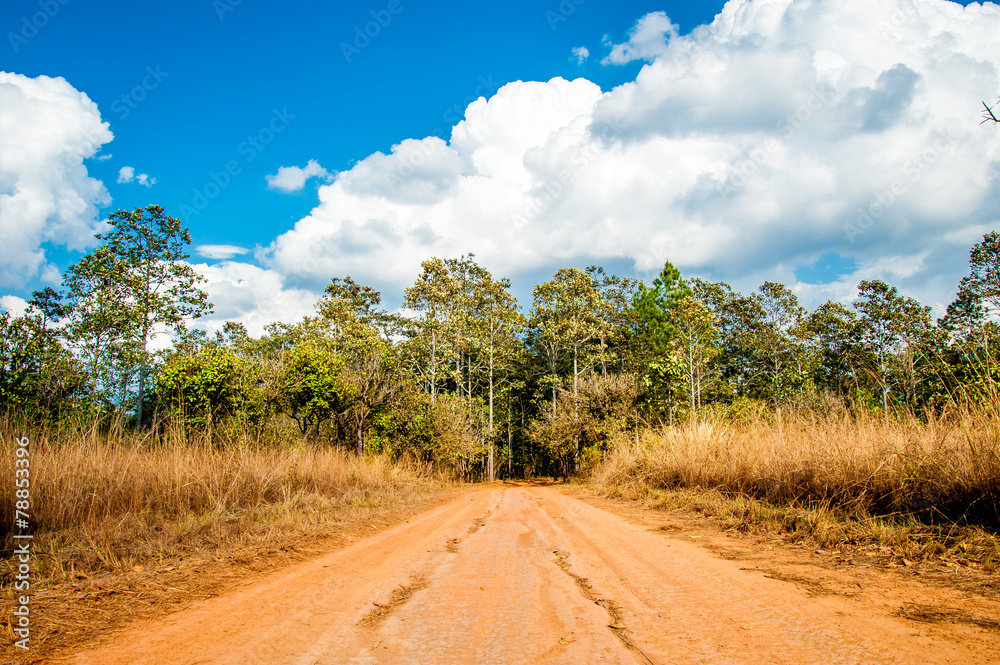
{"x":926,"y":486}
{"x":106,"y":507}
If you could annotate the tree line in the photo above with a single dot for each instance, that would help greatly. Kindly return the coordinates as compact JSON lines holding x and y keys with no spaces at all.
{"x":461,"y":377}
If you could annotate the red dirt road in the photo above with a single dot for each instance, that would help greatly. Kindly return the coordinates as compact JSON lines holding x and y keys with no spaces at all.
{"x":526,"y":575}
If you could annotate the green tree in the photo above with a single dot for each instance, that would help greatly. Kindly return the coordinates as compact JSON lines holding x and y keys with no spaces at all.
{"x":431,"y":295}
{"x":695,"y":341}
{"x":39,"y":378}
{"x":314,"y":389}
{"x":566,"y":314}
{"x":161,"y":289}
{"x":211,"y":385}
{"x":837,"y":333}
{"x":497,"y":324}
{"x":780,"y":343}
{"x":891,"y":329}
{"x":616,"y":300}
{"x":99,"y":322}
{"x":655,"y":333}
{"x":349,"y":315}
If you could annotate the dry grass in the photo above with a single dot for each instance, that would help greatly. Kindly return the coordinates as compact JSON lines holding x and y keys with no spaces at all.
{"x":105,"y":508}
{"x":925,"y":488}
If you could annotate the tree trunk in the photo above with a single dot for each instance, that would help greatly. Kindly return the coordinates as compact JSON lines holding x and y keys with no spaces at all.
{"x":142,"y":390}
{"x":492,"y":476}
{"x":576,"y":413}
{"x":433,"y":365}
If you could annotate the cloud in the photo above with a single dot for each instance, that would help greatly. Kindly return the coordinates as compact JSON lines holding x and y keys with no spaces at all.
{"x":754,"y":145}
{"x":581,"y":53}
{"x":220,"y":251}
{"x":252,"y":296}
{"x":293,"y":178}
{"x":647,"y":40}
{"x":46,"y":194}
{"x":126,"y":174}
{"x":14,"y":305}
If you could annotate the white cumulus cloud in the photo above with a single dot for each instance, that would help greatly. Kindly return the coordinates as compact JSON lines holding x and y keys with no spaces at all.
{"x":251,"y":295}
{"x":127,"y":174}
{"x":13,"y":305}
{"x":293,"y":178}
{"x":47,"y":130}
{"x":782,"y":131}
{"x":646,"y":41}
{"x":581,"y":53}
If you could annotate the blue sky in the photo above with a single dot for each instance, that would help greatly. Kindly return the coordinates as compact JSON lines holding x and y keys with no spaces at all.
{"x":186,"y":86}
{"x":224,"y":66}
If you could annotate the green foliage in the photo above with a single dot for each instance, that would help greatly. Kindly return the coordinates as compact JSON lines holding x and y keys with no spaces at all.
{"x":656,"y":308}
{"x":313,"y":387}
{"x":39,"y":378}
{"x":122,"y":292}
{"x":465,"y":381}
{"x":210,"y":386}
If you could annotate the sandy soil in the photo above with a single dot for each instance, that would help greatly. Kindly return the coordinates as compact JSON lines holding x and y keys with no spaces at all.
{"x":537,"y":575}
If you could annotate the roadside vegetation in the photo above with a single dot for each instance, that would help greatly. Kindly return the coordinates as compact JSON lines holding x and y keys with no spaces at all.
{"x":859,"y":422}
{"x":914,"y":490}
{"x":131,"y":525}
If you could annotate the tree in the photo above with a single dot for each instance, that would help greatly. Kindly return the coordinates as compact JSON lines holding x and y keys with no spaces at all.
{"x":210,"y":385}
{"x":566,"y":314}
{"x":160,"y":288}
{"x":695,"y":341}
{"x":314,"y":390}
{"x":617,"y":312}
{"x":655,"y":312}
{"x":498,"y":324}
{"x":38,"y":377}
{"x":49,"y":304}
{"x":838,"y":338}
{"x":349,"y":313}
{"x":431,"y":294}
{"x":99,"y":320}
{"x":655,"y":308}
{"x":891,"y":326}
{"x":780,"y":341}
{"x":983,"y":281}
{"x":373,"y":377}
{"x":131,"y":288}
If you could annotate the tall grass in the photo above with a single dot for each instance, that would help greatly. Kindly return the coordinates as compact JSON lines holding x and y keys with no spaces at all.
{"x":113,"y":498}
{"x":943,"y":473}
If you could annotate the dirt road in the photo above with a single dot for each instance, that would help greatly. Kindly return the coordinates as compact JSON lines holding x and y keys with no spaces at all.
{"x":526,"y":575}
